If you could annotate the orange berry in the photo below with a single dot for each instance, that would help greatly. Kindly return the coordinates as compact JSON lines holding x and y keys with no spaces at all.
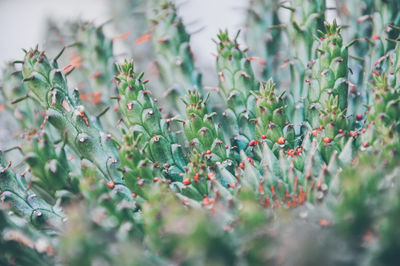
{"x":110,"y":184}
{"x":281,"y":140}
{"x":211,"y":176}
{"x":353,"y":133}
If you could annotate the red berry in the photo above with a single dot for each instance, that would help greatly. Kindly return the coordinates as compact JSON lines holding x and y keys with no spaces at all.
{"x":315,"y":132}
{"x":186,"y":181}
{"x":263,"y":137}
{"x":208,"y":152}
{"x":110,"y":184}
{"x":359,"y":117}
{"x":375,"y":37}
{"x":155,"y":179}
{"x":134,"y":194}
{"x":241,"y":165}
{"x":281,"y":140}
{"x":327,"y":140}
{"x":363,"y":130}
{"x":340,"y":131}
{"x":253,"y":142}
{"x":365,"y":144}
{"x":226,"y":147}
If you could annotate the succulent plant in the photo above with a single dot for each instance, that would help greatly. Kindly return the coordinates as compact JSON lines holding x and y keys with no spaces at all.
{"x":293,"y":164}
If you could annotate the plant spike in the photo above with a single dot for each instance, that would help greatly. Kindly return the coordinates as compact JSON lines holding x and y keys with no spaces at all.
{"x":236,"y":81}
{"x":384,"y":109}
{"x":90,"y":51}
{"x":22,"y":244}
{"x":175,"y":59}
{"x":263,"y":24}
{"x":64,"y":111}
{"x":200,"y":129}
{"x":50,"y":168}
{"x":24,"y":202}
{"x":272,"y":121}
{"x":142,"y":116}
{"x":327,"y":85}
{"x":15,"y":97}
{"x":307,"y":17}
{"x":49,"y":165}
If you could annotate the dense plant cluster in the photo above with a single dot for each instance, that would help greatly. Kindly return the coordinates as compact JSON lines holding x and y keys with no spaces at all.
{"x":291,"y":159}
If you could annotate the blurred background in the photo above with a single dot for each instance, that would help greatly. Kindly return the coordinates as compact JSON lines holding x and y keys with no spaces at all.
{"x":23,"y":22}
